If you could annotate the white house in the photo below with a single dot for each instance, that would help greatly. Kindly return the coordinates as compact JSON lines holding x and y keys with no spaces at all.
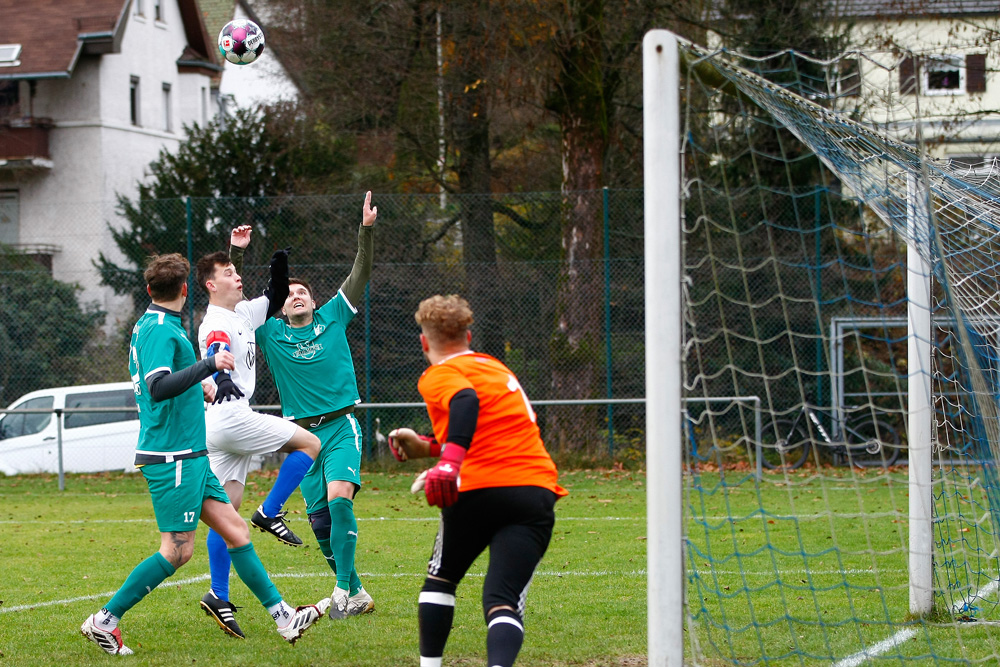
{"x":263,"y":82}
{"x":90,"y":92}
{"x":935,"y":61}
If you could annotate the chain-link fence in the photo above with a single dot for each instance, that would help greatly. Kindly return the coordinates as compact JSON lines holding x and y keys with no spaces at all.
{"x":567,"y":320}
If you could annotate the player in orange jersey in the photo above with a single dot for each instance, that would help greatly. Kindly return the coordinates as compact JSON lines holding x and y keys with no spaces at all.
{"x":495,"y":482}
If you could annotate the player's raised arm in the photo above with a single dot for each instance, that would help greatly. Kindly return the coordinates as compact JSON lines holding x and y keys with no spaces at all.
{"x":239,"y":239}
{"x":354,"y":287}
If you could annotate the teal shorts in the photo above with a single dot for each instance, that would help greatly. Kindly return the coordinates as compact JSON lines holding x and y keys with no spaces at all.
{"x":339,"y":460}
{"x":179,"y":489}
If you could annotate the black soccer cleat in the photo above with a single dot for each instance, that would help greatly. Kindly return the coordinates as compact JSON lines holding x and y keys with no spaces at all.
{"x":275,"y":526}
{"x":224,"y":614}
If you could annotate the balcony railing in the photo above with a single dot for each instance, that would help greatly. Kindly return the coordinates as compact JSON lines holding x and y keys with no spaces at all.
{"x":25,"y":141}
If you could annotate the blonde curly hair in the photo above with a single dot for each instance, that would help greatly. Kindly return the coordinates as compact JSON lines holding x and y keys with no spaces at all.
{"x":444,"y":319}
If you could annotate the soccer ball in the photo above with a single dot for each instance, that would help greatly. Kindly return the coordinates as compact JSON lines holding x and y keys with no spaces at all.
{"x":241,"y":41}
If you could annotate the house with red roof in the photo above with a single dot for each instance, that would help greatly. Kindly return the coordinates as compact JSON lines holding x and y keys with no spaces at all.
{"x":90,"y":92}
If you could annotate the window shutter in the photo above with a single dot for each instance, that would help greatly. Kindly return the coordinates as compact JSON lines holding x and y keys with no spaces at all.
{"x":975,"y":73}
{"x":908,"y":76}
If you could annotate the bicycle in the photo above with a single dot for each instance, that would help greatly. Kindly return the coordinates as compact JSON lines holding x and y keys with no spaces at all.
{"x":865,"y":441}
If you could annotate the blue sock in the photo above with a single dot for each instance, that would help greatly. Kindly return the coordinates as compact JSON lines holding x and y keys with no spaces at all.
{"x":218,"y":564}
{"x":290,"y":475}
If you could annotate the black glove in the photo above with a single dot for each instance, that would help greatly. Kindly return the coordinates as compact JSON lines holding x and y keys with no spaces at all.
{"x":279,"y":261}
{"x":227,"y":389}
{"x":277,"y":285}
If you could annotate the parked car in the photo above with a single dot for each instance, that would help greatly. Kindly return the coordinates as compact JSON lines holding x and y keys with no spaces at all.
{"x":92,"y":441}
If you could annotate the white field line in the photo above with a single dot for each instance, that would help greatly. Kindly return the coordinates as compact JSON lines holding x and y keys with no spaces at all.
{"x":303,"y":519}
{"x":981,"y":593}
{"x":318,"y":575}
{"x":906,"y":633}
{"x":876,"y":649}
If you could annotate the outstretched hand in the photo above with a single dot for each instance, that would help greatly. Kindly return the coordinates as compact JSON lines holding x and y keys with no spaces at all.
{"x":240,"y":236}
{"x":369,"y":213}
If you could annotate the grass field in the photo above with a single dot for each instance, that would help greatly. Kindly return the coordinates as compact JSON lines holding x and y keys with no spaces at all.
{"x":806,"y":568}
{"x":64,"y":553}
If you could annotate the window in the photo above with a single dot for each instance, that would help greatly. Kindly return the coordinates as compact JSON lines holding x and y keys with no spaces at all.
{"x":140,"y":7}
{"x":849,"y":79}
{"x":10,"y":99}
{"x":13,"y":425}
{"x":9,"y":54}
{"x":944,"y":75}
{"x":10,"y":223}
{"x":166,"y":107}
{"x":158,"y":10}
{"x":204,"y":106}
{"x":117,"y":398}
{"x":133,"y":100}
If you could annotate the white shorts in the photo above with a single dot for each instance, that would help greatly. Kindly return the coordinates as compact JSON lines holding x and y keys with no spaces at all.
{"x":236,"y":434}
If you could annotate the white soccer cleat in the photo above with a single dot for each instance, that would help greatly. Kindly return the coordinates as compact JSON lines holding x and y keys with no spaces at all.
{"x":110,"y":641}
{"x":360,"y":603}
{"x":304,"y":618}
{"x":339,"y":600}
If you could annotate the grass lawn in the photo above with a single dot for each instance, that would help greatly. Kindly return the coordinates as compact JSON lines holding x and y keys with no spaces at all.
{"x":65,"y":553}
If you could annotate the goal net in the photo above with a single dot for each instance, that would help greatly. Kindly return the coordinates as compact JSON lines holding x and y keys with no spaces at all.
{"x":838,"y":387}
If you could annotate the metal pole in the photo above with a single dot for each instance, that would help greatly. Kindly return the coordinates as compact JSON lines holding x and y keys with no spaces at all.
{"x":665,"y":587}
{"x":368,"y":371}
{"x":921,"y":406}
{"x":607,"y":323}
{"x":190,"y":258}
{"x":817,"y":208}
{"x":59,"y":449}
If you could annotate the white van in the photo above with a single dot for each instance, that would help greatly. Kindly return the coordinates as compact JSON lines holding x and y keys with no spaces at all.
{"x":92,"y":441}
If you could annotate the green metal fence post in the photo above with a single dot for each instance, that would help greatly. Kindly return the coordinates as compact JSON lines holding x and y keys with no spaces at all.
{"x":368,"y":371}
{"x":817,"y":219}
{"x":190,"y":258}
{"x":607,"y":323}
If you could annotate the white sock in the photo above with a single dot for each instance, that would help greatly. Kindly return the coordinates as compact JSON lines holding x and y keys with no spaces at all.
{"x":430,"y":662}
{"x":281,"y":613}
{"x":105,"y":620}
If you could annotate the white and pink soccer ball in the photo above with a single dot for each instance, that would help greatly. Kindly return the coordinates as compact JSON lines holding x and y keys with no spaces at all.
{"x":241,"y":41}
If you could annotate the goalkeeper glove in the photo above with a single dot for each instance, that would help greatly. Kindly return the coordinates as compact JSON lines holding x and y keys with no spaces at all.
{"x":227,"y":389}
{"x":400,"y":452}
{"x":441,"y":485}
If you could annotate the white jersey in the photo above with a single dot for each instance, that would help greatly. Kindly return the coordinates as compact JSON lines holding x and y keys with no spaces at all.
{"x":239,"y":324}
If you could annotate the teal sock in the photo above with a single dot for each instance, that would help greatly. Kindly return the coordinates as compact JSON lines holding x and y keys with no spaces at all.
{"x":251,"y":571}
{"x":324,"y":546}
{"x":146,"y":576}
{"x":343,"y":539}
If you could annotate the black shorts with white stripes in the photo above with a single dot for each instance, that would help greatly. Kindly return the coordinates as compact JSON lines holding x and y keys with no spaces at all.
{"x":515,"y":522}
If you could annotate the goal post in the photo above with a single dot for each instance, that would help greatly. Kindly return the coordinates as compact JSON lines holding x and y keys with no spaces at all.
{"x":772,"y":215}
{"x":661,"y":209}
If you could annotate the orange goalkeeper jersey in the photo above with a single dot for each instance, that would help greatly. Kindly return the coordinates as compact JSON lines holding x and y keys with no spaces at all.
{"x":507,"y":448}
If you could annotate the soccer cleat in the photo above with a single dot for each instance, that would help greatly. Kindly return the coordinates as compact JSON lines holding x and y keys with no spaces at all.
{"x":275,"y":525}
{"x":111,"y":641}
{"x":223,"y":612}
{"x":304,"y":617}
{"x":338,"y":604}
{"x":360,"y":603}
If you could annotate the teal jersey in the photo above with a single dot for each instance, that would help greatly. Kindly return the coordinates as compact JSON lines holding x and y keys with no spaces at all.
{"x":177,"y":424}
{"x":312,"y":366}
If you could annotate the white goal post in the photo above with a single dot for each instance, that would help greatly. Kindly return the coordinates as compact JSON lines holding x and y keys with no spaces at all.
{"x":664,"y":284}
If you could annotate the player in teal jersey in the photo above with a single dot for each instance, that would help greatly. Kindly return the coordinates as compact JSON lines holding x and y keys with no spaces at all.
{"x":171,"y":455}
{"x":312,"y":367}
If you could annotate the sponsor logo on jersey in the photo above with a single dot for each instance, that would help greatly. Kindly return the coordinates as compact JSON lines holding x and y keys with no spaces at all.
{"x":307,"y":350}
{"x":318,"y":329}
{"x":251,"y":353}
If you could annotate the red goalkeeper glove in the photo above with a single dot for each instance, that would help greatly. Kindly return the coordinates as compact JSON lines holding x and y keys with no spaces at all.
{"x":398,"y":451}
{"x":441,"y":486}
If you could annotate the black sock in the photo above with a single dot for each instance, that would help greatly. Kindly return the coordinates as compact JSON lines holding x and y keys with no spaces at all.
{"x":504,"y":636}
{"x":435,"y":613}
